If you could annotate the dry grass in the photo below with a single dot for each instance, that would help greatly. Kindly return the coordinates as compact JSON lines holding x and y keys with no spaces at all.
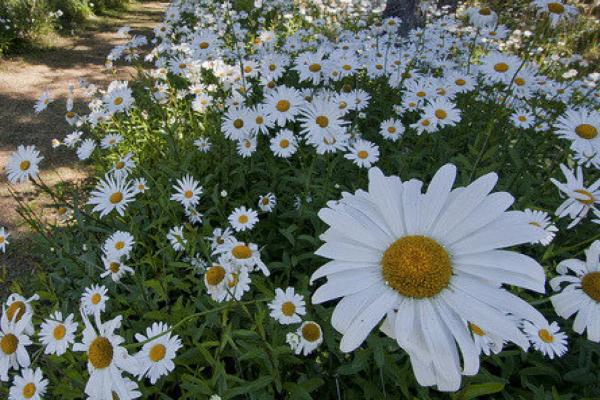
{"x":23,"y":78}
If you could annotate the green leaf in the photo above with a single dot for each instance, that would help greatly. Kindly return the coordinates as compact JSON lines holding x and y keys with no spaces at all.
{"x":478,"y":390}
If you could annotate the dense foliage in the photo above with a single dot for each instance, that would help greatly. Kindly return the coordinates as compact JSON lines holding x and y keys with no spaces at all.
{"x":283,"y":108}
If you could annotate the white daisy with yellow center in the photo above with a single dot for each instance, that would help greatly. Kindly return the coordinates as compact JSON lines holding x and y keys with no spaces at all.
{"x":398,"y":252}
{"x":580,"y":199}
{"x":3,"y":239}
{"x":23,"y":164}
{"x":13,"y":340}
{"x":119,"y":244}
{"x":243,"y":219}
{"x":156,"y":357}
{"x":57,"y":334}
{"x":579,"y":286}
{"x":187,"y":191}
{"x":93,"y":300}
{"x":18,"y":307}
{"x":113,"y":192}
{"x":307,"y":338}
{"x":107,"y":359}
{"x":547,"y":338}
{"x":29,"y":385}
{"x":287,"y":307}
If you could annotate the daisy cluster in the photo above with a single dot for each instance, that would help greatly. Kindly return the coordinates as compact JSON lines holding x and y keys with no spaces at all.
{"x":321,"y":88}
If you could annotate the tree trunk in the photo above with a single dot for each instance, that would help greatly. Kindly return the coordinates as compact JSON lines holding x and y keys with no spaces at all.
{"x":406,"y":10}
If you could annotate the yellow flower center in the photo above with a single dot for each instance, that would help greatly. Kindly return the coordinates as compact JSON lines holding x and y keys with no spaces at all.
{"x":100,"y":352}
{"x":188,"y":194}
{"x":322,"y":121}
{"x":476,"y":330}
{"x":546,"y":336}
{"x":421,"y":93}
{"x":116,"y":197}
{"x":243,"y":219}
{"x":590,"y":199}
{"x":259,"y":120}
{"x":241,"y":251}
{"x":29,"y":390}
{"x":203,"y":45}
{"x":391,"y":129}
{"x":247,"y":69}
{"x":59,"y":332}
{"x":311,"y":332}
{"x":343,"y":105}
{"x":70,"y":114}
{"x":314,"y":68}
{"x":157,"y":352}
{"x":1,"y":239}
{"x":416,"y":266}
{"x":590,"y":284}
{"x":272,"y":67}
{"x":96,"y":298}
{"x":362,"y":154}
{"x":556,"y":8}
{"x":288,"y":308}
{"x":485,"y":11}
{"x":9,"y":344}
{"x":440,"y":114}
{"x":425,"y":122}
{"x":586,"y":131}
{"x":284,"y":144}
{"x":114,"y":267}
{"x":61,"y":210}
{"x":16,"y":311}
{"x":24,"y":165}
{"x":120,"y":165}
{"x":271,"y":85}
{"x":283,"y":105}
{"x":346,"y":67}
{"x":235,"y":279}
{"x":238,"y":123}
{"x":519,"y":81}
{"x":378,"y":66}
{"x":501,"y":67}
{"x":119,"y":245}
{"x":522,"y":118}
{"x":535,"y":224}
{"x":215,"y":275}
{"x":118,"y":101}
{"x":182,"y":66}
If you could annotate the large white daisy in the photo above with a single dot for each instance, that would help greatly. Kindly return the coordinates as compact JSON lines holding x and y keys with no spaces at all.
{"x":431,"y":263}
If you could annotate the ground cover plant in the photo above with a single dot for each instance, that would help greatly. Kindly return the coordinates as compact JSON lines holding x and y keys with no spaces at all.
{"x":294,"y":201}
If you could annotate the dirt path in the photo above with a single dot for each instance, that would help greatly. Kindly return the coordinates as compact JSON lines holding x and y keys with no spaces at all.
{"x":23,"y":78}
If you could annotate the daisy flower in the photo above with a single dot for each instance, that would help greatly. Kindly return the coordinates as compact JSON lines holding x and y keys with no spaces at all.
{"x":442,"y":112}
{"x":363,"y":153}
{"x":23,"y":164}
{"x":581,"y":293}
{"x":486,"y":344}
{"x":57,"y":334}
{"x":581,"y":127}
{"x":541,"y":220}
{"x":113,"y":192}
{"x":242,"y":219}
{"x":107,"y":359}
{"x":140,"y":185}
{"x":522,"y":118}
{"x":580,"y":199}
{"x":202,"y":144}
{"x":499,"y":67}
{"x":124,"y":165}
{"x":93,"y":300}
{"x":29,"y":385}
{"x":85,"y":150}
{"x":17,"y":307}
{"x":391,"y":129}
{"x":156,"y":356}
{"x":307,"y":338}
{"x":557,"y":10}
{"x":284,"y":144}
{"x":119,"y":244}
{"x":482,"y":17}
{"x":3,"y":239}
{"x":225,"y":281}
{"x":310,"y":66}
{"x":399,"y":253}
{"x":42,"y":103}
{"x":111,"y":140}
{"x":175,"y":237}
{"x":246,"y":146}
{"x":118,"y":97}
{"x":242,"y":254}
{"x":115,"y":268}
{"x":283,"y":104}
{"x":321,"y":118}
{"x":193,"y":215}
{"x":287,"y":307}
{"x":13,"y":341}
{"x":267,"y":202}
{"x":220,"y":237}
{"x":547,"y":338}
{"x":236,"y":123}
{"x":187,"y":191}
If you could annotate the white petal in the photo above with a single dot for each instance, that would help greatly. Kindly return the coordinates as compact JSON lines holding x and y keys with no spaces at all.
{"x":437,"y":195}
{"x":343,"y":284}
